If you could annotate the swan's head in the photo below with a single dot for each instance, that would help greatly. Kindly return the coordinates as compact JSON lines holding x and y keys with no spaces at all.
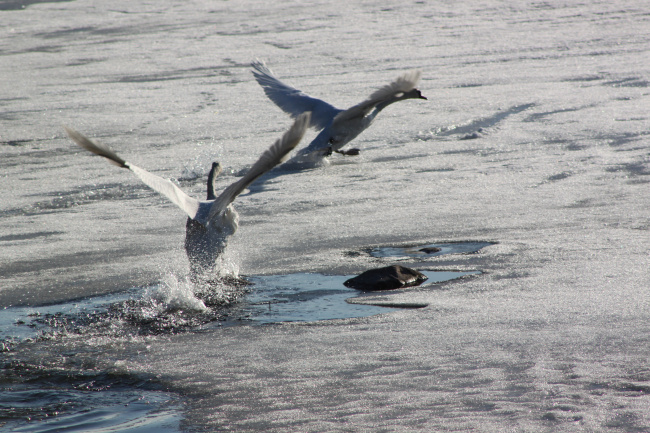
{"x":411,"y":94}
{"x":414,"y":94}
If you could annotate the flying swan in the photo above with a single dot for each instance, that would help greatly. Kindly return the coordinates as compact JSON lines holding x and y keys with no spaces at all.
{"x":210,"y":222}
{"x":338,"y":127}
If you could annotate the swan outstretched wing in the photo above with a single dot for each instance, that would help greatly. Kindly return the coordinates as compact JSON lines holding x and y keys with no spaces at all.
{"x":403,"y":84}
{"x":274,"y":155}
{"x":291,"y":100}
{"x":162,"y":186}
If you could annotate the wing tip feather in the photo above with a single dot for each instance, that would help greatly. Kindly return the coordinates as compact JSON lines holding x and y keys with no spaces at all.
{"x":271,"y":157}
{"x":96,"y":148}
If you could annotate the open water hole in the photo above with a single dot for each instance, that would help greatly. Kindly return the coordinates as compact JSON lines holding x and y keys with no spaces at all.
{"x":37,"y":409}
{"x":306,"y":297}
{"x":31,"y":403}
{"x":430,"y":250}
{"x":299,"y":297}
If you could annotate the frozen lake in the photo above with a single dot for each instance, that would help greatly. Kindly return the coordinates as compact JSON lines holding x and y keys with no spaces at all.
{"x":534,"y":143}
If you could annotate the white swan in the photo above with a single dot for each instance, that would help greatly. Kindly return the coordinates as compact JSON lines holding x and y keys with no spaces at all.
{"x":339,"y":127}
{"x":210,"y":222}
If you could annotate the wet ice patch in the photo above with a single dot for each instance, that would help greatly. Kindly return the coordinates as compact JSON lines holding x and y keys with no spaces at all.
{"x":430,"y":250}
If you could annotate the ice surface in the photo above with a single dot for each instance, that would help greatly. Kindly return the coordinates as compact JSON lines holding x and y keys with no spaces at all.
{"x":553,"y":336}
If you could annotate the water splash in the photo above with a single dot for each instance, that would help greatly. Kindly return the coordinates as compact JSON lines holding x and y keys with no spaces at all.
{"x":175,"y":293}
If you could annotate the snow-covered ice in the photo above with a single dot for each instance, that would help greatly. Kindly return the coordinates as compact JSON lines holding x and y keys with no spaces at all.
{"x":535,"y":137}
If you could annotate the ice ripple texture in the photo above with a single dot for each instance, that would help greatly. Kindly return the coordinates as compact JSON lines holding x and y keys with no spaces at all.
{"x":535,"y":136}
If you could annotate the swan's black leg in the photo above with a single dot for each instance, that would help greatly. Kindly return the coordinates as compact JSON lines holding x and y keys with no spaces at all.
{"x":349,"y":152}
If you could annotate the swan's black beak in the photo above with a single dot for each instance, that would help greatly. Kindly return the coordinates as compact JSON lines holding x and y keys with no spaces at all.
{"x":421,"y":96}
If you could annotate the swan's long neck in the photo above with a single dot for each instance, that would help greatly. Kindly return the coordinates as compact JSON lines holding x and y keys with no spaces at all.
{"x":367,"y":120}
{"x":214,"y":172}
{"x":383,"y":105}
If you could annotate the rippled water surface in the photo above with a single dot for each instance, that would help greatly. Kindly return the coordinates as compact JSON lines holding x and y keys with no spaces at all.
{"x":40,"y":410}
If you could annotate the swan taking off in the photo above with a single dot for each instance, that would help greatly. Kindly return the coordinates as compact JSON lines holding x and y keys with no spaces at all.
{"x":339,"y":127}
{"x":210,"y":222}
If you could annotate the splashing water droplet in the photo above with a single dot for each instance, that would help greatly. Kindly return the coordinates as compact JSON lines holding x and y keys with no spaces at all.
{"x":174,"y":293}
